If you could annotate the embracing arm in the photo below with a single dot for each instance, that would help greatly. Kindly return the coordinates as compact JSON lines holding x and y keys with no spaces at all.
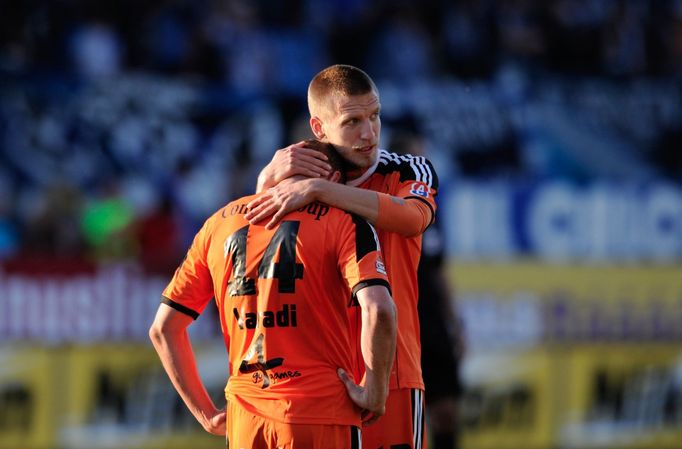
{"x":407,"y":217}
{"x":378,"y":341}
{"x":171,"y":341}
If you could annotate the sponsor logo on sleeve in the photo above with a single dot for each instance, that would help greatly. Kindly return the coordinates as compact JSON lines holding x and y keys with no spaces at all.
{"x":381,"y":269}
{"x":419,"y":189}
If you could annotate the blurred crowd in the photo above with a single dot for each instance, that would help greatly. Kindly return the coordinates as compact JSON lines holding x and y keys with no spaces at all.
{"x":124,"y":123}
{"x":272,"y":46}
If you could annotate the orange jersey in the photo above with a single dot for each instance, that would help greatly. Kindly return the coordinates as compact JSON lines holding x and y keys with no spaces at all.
{"x":412,"y":177}
{"x":282,"y":296}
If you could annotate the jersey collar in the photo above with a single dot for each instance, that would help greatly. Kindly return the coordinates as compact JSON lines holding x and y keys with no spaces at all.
{"x":357,"y":181}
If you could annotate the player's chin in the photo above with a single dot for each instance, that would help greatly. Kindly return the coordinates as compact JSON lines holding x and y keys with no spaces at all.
{"x":366,"y":160}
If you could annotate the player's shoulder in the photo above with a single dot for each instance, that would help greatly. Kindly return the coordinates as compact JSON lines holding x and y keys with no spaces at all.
{"x":409,"y":167}
{"x":235,"y":208}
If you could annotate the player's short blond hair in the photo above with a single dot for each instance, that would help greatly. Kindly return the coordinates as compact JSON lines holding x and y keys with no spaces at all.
{"x":338,"y":79}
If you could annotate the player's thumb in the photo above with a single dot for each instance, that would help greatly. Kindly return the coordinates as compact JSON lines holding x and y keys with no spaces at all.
{"x":347,"y":381}
{"x":343,"y":375}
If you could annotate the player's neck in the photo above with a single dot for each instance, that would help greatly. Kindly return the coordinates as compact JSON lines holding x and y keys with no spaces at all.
{"x":357,"y":176}
{"x":356,"y":173}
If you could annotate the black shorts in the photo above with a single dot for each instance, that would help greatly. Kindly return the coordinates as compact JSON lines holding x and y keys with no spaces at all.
{"x":440,"y":367}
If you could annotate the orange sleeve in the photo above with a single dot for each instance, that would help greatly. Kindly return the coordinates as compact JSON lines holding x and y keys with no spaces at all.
{"x":408,"y":217}
{"x":191,"y":287}
{"x":360,"y":258}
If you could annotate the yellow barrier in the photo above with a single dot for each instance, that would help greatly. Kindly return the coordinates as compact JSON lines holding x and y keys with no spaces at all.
{"x":509,"y":400}
{"x":120,"y":397}
{"x":28,"y":386}
{"x":600,"y":369}
{"x":624,"y":396}
{"x":612,"y":281}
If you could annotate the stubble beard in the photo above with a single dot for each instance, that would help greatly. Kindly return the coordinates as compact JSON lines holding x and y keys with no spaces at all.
{"x":357,"y":164}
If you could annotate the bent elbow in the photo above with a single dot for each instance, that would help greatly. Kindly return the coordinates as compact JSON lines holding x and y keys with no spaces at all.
{"x":413,"y":229}
{"x":387,"y":313}
{"x":155,"y":334}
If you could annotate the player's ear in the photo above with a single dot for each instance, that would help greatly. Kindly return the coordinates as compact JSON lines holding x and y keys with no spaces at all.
{"x":317,"y":128}
{"x":335,"y":176}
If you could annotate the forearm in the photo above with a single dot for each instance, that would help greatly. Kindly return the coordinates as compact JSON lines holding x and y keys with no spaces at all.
{"x":407,"y":217}
{"x":362,"y":202}
{"x":177,"y":358}
{"x":265,"y":179}
{"x":378,"y":340}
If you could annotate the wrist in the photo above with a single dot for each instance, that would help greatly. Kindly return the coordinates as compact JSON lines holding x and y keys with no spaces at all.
{"x":264,"y":180}
{"x":207,"y":422}
{"x":378,"y":385}
{"x":313,"y":188}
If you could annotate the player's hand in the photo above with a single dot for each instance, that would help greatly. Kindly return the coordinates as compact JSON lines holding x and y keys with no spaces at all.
{"x":373,"y":405}
{"x":296,"y":159}
{"x":217,"y":424}
{"x":278,"y":201}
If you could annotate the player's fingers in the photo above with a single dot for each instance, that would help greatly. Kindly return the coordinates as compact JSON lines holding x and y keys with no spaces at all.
{"x":371,"y":419}
{"x":354,"y":390}
{"x":218,"y":420}
{"x":345,"y":378}
{"x":308,"y":153}
{"x":313,"y":157}
{"x":311,"y":170}
{"x":261,"y":212}
{"x":372,"y":416}
{"x":253,"y":205}
{"x":218,"y":423}
{"x":275,"y":219}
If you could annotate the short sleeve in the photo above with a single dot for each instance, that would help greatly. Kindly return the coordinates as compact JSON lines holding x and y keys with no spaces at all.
{"x":418,"y":180}
{"x":360,"y":258}
{"x":191,"y":287}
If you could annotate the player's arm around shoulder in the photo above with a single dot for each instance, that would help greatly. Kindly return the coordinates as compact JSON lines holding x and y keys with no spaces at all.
{"x":408,"y":207}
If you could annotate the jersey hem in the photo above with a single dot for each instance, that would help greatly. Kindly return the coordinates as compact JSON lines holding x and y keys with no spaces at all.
{"x":316,"y":419}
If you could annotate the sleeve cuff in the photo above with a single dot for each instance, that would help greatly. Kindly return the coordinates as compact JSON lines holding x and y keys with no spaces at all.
{"x":368,"y":283}
{"x":180,"y":307}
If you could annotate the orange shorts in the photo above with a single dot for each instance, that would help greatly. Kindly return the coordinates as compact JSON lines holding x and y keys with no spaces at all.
{"x":249,"y":431}
{"x":402,"y":427}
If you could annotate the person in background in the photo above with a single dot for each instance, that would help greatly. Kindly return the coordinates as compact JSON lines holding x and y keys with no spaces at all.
{"x":441,"y":330}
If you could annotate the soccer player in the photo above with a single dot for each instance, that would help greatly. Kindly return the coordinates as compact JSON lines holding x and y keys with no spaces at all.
{"x":393,"y":192}
{"x":282,"y":295}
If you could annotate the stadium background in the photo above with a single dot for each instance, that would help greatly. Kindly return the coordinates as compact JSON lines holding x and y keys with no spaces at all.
{"x":555,"y":127}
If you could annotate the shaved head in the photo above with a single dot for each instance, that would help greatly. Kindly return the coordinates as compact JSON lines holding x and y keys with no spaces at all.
{"x":337,"y":80}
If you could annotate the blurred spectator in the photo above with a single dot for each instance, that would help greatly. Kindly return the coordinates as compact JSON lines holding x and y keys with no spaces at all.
{"x":96,"y":50}
{"x":470,"y":38}
{"x":624,"y":39}
{"x":236,"y":30}
{"x":521,"y":31}
{"x":106,"y":222}
{"x":673,"y":41}
{"x":574,"y":30}
{"x":51,"y":226}
{"x":402,"y":50}
{"x":9,"y":238}
{"x":157,"y":233}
